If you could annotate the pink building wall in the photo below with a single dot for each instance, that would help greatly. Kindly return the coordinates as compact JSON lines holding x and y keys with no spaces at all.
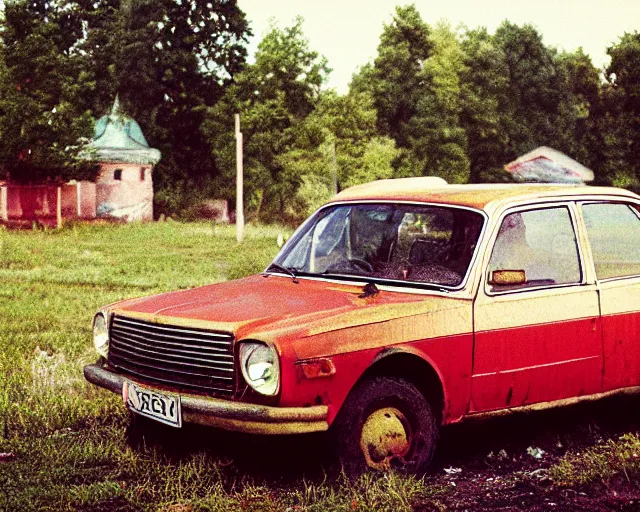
{"x":79,"y":200}
{"x":29,"y":203}
{"x":33,"y":202}
{"x":124,"y":191}
{"x":121,"y":191}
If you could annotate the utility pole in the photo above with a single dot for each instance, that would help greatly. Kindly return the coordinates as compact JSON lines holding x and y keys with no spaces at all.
{"x":334,"y":166}
{"x":59,"y":207}
{"x":239,"y":183}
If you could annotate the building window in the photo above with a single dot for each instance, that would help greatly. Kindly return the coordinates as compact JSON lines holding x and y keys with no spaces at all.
{"x":141,"y":173}
{"x":117,"y":175}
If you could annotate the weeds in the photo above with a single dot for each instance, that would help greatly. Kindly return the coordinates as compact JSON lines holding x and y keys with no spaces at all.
{"x":602,"y":462}
{"x":94,"y":469}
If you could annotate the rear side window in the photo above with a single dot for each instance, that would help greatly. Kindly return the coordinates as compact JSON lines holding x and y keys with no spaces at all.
{"x":614,"y":234}
{"x":542,"y":243}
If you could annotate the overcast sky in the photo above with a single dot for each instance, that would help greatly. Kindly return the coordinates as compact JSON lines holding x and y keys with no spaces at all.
{"x":347,"y":32}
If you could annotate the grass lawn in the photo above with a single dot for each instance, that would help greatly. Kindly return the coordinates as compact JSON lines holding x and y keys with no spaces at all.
{"x":71,"y":445}
{"x":69,"y":439}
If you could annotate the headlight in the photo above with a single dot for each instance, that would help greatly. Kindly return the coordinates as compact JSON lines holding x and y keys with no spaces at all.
{"x":260,"y":367}
{"x":101,"y":334}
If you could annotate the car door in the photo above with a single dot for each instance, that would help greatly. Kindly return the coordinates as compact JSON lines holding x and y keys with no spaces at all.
{"x":613,"y":231}
{"x":537,"y":339}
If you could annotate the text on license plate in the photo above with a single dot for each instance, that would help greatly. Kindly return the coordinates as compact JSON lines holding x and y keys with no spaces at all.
{"x":150,"y":403}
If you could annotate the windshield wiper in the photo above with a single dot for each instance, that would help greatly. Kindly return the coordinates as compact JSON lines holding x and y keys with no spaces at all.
{"x":387,"y":282}
{"x":370,"y":289}
{"x":286,"y":270}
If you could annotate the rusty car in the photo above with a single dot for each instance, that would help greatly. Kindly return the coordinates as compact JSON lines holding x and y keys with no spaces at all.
{"x":399,"y":307}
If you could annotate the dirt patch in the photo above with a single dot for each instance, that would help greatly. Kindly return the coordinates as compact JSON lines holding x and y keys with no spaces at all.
{"x":504,"y":462}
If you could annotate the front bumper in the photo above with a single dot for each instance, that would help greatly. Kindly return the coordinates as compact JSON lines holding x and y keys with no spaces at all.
{"x":237,"y":416}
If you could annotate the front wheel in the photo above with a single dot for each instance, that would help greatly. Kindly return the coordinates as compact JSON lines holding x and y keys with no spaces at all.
{"x":386,"y":423}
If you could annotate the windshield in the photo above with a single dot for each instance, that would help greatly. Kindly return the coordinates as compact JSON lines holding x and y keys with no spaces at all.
{"x":419,"y":244}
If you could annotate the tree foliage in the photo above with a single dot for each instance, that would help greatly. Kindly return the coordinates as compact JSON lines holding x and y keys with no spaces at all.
{"x":620,"y":122}
{"x":415,"y":85}
{"x":518,"y":94}
{"x":438,"y":139}
{"x":168,"y":60}
{"x":172,"y":60}
{"x":459,"y":104}
{"x":338,"y":147}
{"x":274,"y":96}
{"x":43,"y":91}
{"x":301,"y":144}
{"x":396,"y":80}
{"x":483,"y":92}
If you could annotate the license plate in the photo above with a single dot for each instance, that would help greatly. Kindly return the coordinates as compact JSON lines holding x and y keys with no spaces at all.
{"x":152,"y":404}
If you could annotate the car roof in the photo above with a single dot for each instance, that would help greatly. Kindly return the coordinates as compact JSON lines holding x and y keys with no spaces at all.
{"x":481,"y":196}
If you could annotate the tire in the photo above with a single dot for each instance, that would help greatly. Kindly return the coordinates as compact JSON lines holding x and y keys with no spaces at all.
{"x":385,"y":423}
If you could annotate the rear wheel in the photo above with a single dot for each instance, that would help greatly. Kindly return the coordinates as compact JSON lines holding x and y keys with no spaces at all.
{"x":386,"y":423}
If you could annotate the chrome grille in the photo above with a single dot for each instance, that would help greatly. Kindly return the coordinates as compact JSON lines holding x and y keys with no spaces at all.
{"x":184,"y":356}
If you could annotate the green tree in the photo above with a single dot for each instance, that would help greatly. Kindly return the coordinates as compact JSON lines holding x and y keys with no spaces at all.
{"x":532,"y":96}
{"x":43,"y":113}
{"x":273,"y":96}
{"x":624,"y":69}
{"x":395,"y":80}
{"x":415,"y":84}
{"x":338,"y":146}
{"x":620,"y":120}
{"x":171,"y":61}
{"x":483,"y":91}
{"x":580,"y":108}
{"x":168,"y":60}
{"x":518,"y":94}
{"x":438,"y":141}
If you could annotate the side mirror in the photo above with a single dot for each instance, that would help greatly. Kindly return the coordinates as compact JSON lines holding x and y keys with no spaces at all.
{"x":507,"y":277}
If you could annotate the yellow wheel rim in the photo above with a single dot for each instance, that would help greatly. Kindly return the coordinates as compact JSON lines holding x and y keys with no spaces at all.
{"x":386,"y":435}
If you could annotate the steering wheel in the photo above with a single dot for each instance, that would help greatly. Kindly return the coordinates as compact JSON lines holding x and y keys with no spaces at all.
{"x":363,"y":264}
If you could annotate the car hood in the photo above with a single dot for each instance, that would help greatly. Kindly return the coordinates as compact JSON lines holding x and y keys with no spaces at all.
{"x":272,"y":307}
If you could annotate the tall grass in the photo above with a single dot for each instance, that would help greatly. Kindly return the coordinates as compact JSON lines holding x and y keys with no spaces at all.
{"x":70,"y":438}
{"x":619,"y":457}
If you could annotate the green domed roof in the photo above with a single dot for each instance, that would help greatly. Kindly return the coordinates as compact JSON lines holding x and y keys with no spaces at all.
{"x":118,"y":138}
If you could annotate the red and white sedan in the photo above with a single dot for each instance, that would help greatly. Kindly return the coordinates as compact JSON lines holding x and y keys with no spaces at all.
{"x":398,"y":307}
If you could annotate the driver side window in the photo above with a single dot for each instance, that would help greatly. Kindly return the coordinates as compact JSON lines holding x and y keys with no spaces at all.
{"x":539,"y":246}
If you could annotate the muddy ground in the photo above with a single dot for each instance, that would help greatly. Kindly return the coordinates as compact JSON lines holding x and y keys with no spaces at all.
{"x":516,"y":479}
